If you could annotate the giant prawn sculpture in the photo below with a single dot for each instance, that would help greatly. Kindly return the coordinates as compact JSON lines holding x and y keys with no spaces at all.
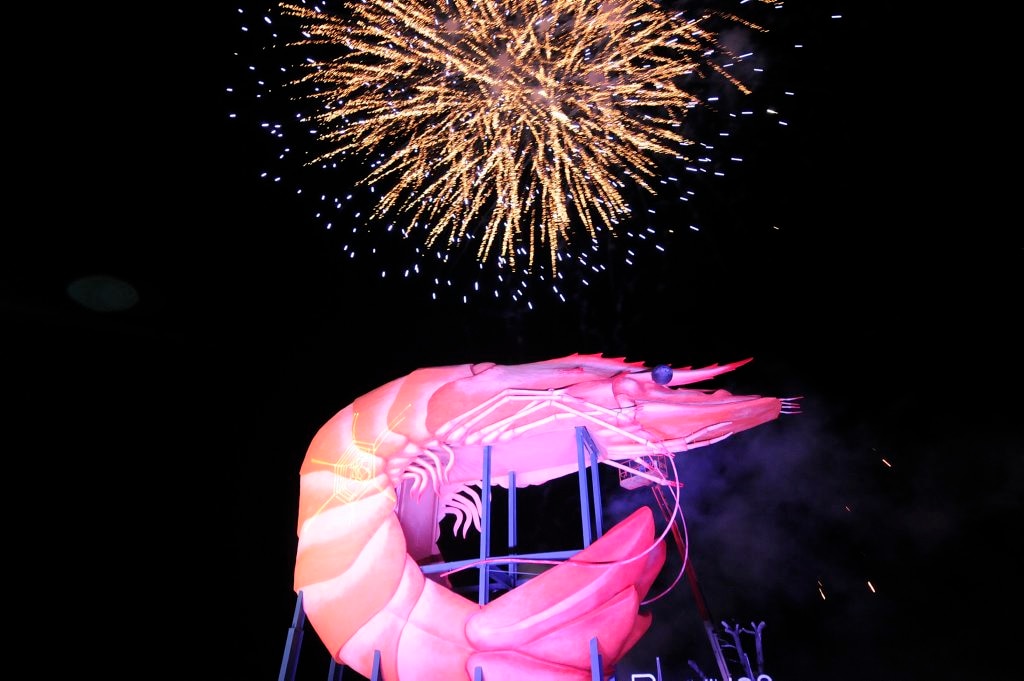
{"x":380,"y":474}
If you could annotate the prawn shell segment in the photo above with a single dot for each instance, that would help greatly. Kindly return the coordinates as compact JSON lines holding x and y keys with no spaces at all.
{"x":625,"y":560}
{"x":334,"y":575}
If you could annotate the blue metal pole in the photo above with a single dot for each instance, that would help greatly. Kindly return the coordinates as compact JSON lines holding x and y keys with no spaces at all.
{"x":436,"y":568}
{"x":293,"y":643}
{"x":595,"y":479}
{"x":584,"y":495}
{"x":485,"y":534}
{"x":513,"y":540}
{"x":375,"y":674}
{"x":595,"y":661}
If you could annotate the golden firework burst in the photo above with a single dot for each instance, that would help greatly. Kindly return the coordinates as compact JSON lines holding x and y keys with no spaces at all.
{"x":517,"y":123}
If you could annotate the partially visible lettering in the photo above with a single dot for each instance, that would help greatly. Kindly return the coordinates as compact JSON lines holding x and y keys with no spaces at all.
{"x":638,"y":677}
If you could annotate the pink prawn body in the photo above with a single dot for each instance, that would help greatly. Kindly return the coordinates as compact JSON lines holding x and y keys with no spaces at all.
{"x":380,"y":474}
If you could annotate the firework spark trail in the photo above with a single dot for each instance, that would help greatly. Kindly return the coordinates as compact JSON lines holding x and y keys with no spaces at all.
{"x":515,"y":118}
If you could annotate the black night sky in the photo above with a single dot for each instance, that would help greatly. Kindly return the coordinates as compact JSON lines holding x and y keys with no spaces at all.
{"x":853,"y":255}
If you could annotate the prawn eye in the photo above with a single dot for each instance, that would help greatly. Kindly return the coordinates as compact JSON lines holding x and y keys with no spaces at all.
{"x":662,"y":374}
